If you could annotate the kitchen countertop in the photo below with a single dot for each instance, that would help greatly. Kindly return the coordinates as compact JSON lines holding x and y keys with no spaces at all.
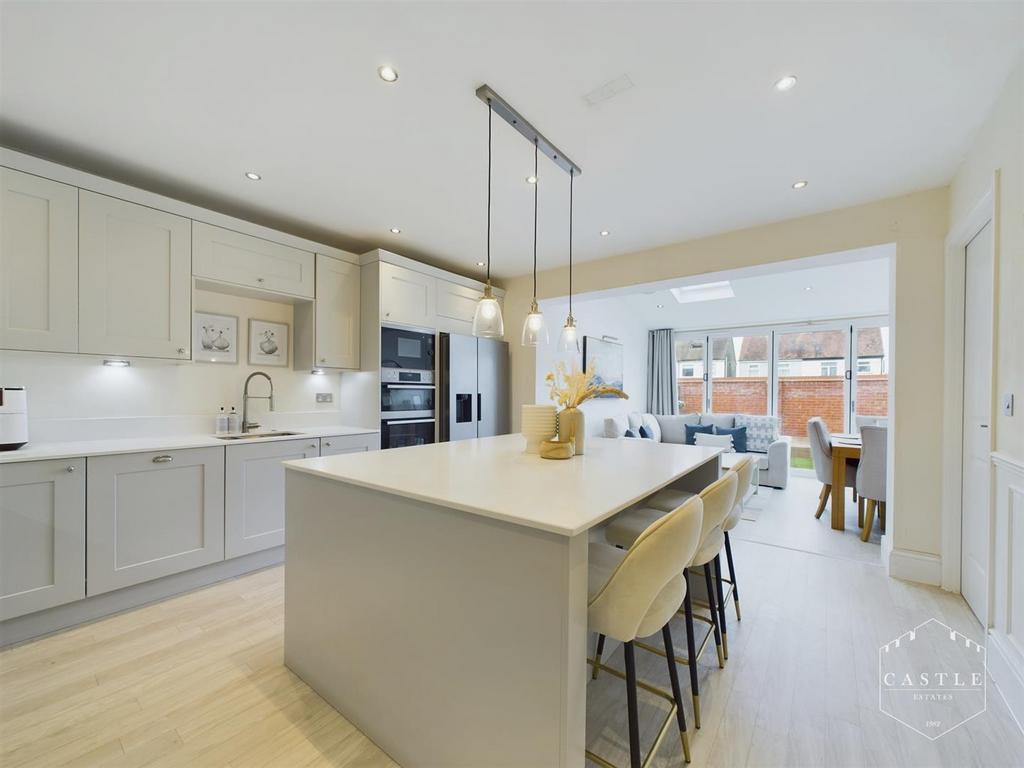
{"x":495,"y":478}
{"x":67,"y":450}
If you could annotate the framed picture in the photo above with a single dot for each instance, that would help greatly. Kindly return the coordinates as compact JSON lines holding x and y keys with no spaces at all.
{"x":606,"y":357}
{"x":214,"y":338}
{"x":268,"y":343}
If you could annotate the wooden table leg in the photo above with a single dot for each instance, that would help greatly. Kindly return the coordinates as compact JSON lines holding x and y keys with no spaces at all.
{"x":838,"y":490}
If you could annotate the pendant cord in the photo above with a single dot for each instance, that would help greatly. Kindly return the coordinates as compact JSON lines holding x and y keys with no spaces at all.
{"x":490,"y":121}
{"x":536,"y":184}
{"x":571,"y":177}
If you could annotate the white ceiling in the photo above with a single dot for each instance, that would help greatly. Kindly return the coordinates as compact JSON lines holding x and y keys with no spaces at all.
{"x":847,"y":284}
{"x":185,"y":97}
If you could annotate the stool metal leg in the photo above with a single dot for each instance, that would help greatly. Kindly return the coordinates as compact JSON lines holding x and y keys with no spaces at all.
{"x":634,"y":720}
{"x":720,"y":599}
{"x":597,"y":656}
{"x":673,"y":673}
{"x":732,"y":575}
{"x":691,"y":652}
{"x":714,"y":614}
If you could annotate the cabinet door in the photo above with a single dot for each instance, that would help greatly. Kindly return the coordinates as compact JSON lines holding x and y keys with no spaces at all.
{"x":134,"y":279}
{"x":407,"y":297}
{"x":337,"y":313}
{"x":38,"y":263}
{"x":254,"y":493}
{"x":220,"y":254}
{"x":337,"y":444}
{"x":42,"y":535}
{"x":457,"y":301}
{"x":153,"y":514}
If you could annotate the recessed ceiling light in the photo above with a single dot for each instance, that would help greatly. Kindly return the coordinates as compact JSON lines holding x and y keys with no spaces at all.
{"x":809,"y":288}
{"x":252,"y":176}
{"x":605,"y":233}
{"x":786,"y":83}
{"x":396,"y":231}
{"x":480,"y":264}
{"x":799,"y":184}
{"x":531,"y":179}
{"x":661,"y":306}
{"x":387,"y":74}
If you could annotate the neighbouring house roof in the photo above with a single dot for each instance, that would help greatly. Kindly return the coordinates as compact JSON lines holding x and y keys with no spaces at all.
{"x":812,"y":345}
{"x":687,"y":351}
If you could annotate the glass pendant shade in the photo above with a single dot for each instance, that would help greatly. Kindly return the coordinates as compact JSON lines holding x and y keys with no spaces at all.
{"x":535,"y":330}
{"x":569,"y":340}
{"x":487,"y":320}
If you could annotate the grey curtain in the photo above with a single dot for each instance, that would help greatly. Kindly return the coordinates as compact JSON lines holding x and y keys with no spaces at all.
{"x":661,"y":372}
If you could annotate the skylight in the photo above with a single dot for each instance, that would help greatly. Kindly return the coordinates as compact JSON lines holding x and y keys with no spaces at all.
{"x":703,"y":292}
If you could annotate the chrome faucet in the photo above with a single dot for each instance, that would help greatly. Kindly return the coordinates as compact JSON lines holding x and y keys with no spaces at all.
{"x":246,"y":424}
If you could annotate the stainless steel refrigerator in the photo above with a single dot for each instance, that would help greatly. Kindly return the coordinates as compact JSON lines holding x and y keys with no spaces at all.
{"x":473,"y":387}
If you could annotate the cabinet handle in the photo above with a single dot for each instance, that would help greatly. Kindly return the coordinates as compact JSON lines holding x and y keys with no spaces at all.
{"x":162,"y":459}
{"x":328,"y":445}
{"x":323,"y":359}
{"x":312,"y":445}
{"x":259,"y":279}
{"x":181,"y":350}
{"x":69,"y":468}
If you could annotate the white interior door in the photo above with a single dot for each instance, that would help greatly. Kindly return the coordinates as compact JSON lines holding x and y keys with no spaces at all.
{"x":975,"y":522}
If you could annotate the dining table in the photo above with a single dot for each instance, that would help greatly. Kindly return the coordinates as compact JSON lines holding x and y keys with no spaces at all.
{"x":845,"y":448}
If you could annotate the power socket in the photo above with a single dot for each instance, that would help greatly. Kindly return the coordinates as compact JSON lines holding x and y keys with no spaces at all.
{"x":324,"y":397}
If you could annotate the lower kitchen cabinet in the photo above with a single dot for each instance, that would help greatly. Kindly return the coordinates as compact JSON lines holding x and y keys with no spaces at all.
{"x":254,"y":493}
{"x":153,"y":514}
{"x":42,"y":535}
{"x":332,"y":446}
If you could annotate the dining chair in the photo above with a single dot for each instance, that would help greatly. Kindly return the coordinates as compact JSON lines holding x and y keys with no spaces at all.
{"x":632,"y":594}
{"x":871,"y":472}
{"x":821,"y":456}
{"x":871,"y":421}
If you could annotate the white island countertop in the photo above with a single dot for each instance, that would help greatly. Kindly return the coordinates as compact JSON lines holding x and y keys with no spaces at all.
{"x":495,"y":478}
{"x":106,"y":446}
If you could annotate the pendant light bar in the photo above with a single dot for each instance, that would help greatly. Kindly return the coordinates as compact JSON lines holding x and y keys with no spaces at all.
{"x":510,"y":115}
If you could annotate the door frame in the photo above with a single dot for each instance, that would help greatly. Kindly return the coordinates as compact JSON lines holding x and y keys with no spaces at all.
{"x":984,"y":212}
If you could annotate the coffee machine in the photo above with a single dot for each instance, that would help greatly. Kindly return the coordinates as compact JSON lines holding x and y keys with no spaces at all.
{"x":13,"y":418}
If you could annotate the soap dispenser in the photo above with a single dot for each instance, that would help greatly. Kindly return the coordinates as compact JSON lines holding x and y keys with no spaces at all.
{"x":234,"y":422}
{"x":222,"y":422}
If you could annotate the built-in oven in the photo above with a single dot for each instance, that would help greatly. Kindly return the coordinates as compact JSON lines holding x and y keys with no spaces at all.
{"x":399,"y":433}
{"x":404,"y":348}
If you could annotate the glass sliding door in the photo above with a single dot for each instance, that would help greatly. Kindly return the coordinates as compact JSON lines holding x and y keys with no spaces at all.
{"x":740,"y":374}
{"x":690,"y":373}
{"x":870,"y":396}
{"x":812,"y":367}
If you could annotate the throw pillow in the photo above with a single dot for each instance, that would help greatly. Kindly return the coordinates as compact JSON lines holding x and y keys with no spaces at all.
{"x":715,"y":441}
{"x":634,"y":420}
{"x":739,"y":437}
{"x":652,"y":424}
{"x":645,"y":432}
{"x":693,"y":429}
{"x":615,"y":426}
{"x":631,"y":433}
{"x":673,"y":428}
{"x":762,"y":431}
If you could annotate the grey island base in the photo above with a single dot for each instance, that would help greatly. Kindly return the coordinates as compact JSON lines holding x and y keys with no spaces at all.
{"x":436,"y":596}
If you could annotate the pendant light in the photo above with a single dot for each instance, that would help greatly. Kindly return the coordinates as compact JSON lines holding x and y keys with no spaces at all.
{"x":487,"y":320}
{"x":534,"y":329}
{"x":569,"y":340}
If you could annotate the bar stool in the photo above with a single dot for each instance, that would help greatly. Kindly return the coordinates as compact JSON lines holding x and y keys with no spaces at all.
{"x":744,"y":469}
{"x":718,"y":500}
{"x":633,"y":593}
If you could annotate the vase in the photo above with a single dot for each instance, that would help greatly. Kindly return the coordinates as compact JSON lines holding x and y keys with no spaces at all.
{"x":572,"y":426}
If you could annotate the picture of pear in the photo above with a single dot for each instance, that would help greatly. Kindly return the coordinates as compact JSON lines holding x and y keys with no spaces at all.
{"x":268,"y":346}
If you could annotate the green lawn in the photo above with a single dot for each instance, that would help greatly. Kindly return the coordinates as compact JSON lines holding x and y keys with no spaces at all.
{"x":801,"y":462}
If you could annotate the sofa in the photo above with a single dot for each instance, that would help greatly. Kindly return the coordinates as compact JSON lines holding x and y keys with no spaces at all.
{"x":764,"y":443}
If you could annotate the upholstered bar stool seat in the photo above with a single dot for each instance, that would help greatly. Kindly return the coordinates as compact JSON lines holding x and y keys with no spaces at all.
{"x":668,"y":499}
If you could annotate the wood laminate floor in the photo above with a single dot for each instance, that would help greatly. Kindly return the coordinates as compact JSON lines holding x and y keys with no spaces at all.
{"x":198,"y":681}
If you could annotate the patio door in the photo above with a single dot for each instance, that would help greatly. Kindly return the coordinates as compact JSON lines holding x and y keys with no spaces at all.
{"x":691,"y":373}
{"x":740,"y":373}
{"x":812,"y":378}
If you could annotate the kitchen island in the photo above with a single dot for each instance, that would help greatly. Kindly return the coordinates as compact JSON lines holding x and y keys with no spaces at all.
{"x":437,"y":595}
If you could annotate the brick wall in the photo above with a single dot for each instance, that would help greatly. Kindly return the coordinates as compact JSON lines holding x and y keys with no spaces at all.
{"x":800,"y":398}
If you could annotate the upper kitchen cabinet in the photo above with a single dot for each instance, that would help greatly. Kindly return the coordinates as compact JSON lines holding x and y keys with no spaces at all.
{"x":327,"y":330}
{"x":407,"y":297}
{"x":134,"y":279}
{"x":243,"y":260}
{"x":38,"y":263}
{"x":456,"y":305}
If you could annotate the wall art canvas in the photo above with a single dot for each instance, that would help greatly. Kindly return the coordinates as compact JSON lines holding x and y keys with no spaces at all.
{"x":214,"y":338}
{"x":268,"y":343}
{"x":606,"y":357}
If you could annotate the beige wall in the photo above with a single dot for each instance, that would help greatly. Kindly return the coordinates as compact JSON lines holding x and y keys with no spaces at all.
{"x":916,"y":223}
{"x":999,"y":147}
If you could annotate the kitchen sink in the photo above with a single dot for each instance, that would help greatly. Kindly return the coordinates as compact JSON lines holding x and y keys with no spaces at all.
{"x":251,"y":435}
